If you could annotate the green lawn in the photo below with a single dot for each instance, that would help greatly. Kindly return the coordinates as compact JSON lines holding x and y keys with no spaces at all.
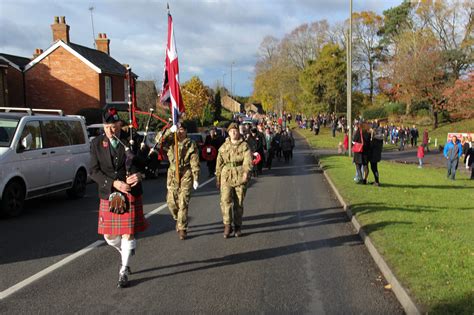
{"x":423,"y":224}
{"x":441,"y":133}
{"x":325,"y":139}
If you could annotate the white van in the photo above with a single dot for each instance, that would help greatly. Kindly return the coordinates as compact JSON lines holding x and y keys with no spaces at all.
{"x":41,"y":152}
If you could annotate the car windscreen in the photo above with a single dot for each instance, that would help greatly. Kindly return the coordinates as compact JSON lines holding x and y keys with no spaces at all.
{"x":7,"y":131}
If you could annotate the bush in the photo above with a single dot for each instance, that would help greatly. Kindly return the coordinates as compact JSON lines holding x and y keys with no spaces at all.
{"x":395,"y":108}
{"x":374,"y":113}
{"x":424,"y":121}
{"x":420,"y":106}
{"x":423,"y":112}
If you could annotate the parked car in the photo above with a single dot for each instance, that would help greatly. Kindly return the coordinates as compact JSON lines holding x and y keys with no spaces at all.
{"x":199,"y":139}
{"x":40,"y":154}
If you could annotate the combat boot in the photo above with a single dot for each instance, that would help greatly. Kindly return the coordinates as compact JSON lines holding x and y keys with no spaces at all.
{"x":182,"y":234}
{"x":238,"y":231}
{"x":227,"y":230}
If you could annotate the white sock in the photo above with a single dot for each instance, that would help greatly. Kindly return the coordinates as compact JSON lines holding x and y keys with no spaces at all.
{"x":127,"y":247}
{"x":115,"y":242}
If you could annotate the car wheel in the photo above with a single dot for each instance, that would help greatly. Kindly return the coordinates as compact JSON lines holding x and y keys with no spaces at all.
{"x":13,"y":200}
{"x":78,"y":189}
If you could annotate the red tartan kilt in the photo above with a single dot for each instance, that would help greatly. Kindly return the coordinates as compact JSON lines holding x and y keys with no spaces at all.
{"x":118,"y":224}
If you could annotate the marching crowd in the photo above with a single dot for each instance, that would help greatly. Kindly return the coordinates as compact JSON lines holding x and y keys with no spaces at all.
{"x":117,"y":169}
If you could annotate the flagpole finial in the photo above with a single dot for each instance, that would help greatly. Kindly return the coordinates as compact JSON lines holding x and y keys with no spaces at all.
{"x":168,"y":7}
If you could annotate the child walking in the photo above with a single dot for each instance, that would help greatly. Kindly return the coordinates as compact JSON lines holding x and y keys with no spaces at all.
{"x":420,"y":154}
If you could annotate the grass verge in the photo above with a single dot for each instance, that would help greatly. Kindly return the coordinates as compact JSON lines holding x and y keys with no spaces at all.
{"x":423,"y":225}
{"x":441,"y":133}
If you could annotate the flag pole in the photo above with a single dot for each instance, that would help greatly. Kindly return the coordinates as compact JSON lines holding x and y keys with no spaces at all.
{"x":176,"y":154}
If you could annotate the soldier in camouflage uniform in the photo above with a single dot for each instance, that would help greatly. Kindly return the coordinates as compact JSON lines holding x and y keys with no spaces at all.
{"x":234,"y":163}
{"x":188,"y":161}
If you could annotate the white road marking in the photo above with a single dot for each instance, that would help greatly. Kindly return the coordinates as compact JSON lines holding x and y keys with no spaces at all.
{"x":20,"y":285}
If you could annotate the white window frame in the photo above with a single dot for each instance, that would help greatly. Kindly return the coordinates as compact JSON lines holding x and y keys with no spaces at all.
{"x":108,"y":89}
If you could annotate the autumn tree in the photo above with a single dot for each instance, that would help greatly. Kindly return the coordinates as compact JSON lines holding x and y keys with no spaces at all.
{"x":366,"y":51}
{"x":460,"y":97}
{"x":276,"y":78}
{"x":452,"y":24}
{"x":195,"y":97}
{"x":304,"y":43}
{"x":416,"y":68}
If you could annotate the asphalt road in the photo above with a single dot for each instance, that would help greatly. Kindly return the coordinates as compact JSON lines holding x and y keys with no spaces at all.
{"x":299,"y":254}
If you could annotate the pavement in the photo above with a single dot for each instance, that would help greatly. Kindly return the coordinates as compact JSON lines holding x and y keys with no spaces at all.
{"x":299,"y":254}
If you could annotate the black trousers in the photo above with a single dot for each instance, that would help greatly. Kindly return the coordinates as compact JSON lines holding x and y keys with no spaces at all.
{"x":375,"y":171}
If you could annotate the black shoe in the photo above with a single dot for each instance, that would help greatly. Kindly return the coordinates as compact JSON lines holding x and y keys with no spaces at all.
{"x":238,"y":231}
{"x":123,"y":278}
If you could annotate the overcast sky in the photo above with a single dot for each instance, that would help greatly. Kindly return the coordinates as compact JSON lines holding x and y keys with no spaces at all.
{"x":210,"y":35}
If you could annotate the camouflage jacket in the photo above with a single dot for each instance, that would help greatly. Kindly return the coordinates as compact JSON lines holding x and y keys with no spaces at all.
{"x":233,"y":161}
{"x":187,"y":152}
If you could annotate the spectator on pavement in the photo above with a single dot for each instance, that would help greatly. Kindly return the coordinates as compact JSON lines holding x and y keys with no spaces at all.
{"x":414,"y":136}
{"x":361,"y":158}
{"x":375,"y":152}
{"x":426,"y":140}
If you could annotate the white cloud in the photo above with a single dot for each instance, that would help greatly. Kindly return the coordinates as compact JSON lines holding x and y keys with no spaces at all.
{"x":210,"y":34}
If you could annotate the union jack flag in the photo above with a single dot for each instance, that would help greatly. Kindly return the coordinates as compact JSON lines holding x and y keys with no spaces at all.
{"x":171,"y":91}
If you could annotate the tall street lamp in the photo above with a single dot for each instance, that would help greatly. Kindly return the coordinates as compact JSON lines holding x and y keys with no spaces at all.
{"x":231,"y":91}
{"x":349,"y":79}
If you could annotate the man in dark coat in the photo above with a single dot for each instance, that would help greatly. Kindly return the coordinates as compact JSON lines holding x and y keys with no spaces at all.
{"x":414,"y":136}
{"x":118,"y":176}
{"x":375,"y":153}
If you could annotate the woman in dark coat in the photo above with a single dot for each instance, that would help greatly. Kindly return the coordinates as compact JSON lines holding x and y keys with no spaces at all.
{"x":361,"y":158}
{"x":375,"y":152}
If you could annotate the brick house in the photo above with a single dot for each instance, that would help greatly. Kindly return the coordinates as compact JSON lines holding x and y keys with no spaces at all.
{"x":12,"y":89}
{"x":72,"y":77}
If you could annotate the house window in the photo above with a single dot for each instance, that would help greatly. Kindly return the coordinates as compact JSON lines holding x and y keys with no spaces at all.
{"x":126,"y":90}
{"x":108,"y":89}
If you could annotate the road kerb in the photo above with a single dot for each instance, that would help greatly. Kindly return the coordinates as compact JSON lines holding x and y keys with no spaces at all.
{"x":400,"y":292}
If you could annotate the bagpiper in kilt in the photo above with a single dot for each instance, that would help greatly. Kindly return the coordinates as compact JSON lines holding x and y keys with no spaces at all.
{"x":117,"y":174}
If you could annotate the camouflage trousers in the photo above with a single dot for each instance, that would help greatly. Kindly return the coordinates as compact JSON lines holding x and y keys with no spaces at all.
{"x":232,"y":204}
{"x":178,"y":197}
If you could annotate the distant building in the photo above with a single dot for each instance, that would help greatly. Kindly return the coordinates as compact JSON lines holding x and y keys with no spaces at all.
{"x":72,"y":77}
{"x":12,"y":88}
{"x":230,"y":104}
{"x":254,"y":108}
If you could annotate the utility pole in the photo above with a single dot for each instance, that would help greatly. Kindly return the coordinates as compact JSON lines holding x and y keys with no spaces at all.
{"x":91,"y":8}
{"x":349,"y":80}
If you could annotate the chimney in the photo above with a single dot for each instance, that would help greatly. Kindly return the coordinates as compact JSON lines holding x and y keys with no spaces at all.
{"x":38,"y":51}
{"x":102,"y":43}
{"x":60,"y":29}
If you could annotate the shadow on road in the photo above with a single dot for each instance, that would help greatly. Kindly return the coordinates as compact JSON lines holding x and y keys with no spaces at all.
{"x":257,"y":255}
